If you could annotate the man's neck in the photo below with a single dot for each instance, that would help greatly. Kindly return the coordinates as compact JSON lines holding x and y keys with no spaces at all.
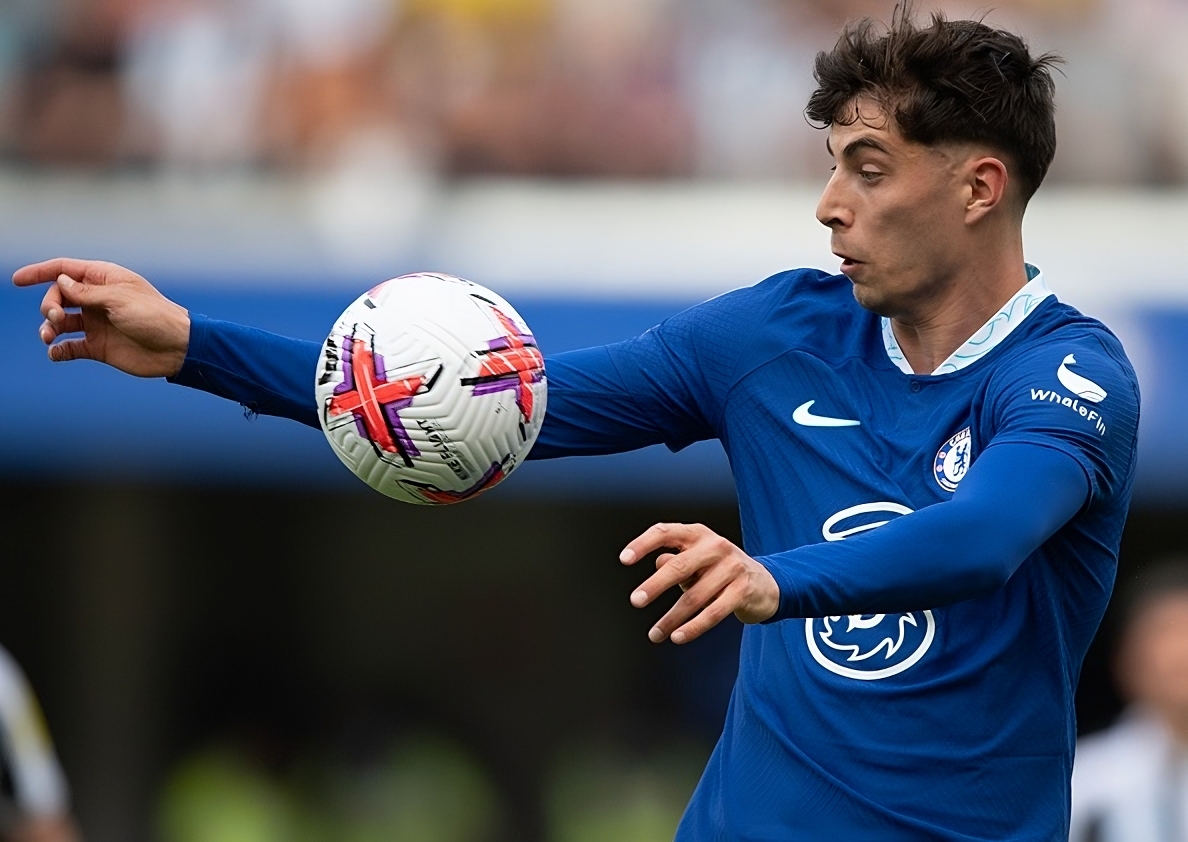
{"x":942,"y":324}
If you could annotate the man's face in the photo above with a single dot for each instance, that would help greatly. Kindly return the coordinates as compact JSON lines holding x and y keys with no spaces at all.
{"x":1155,"y":657}
{"x":897,"y":212}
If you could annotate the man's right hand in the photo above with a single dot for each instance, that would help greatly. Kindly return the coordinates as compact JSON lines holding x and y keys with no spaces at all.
{"x":124,"y":321}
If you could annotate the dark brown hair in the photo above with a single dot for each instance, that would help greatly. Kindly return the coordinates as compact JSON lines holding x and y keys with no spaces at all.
{"x":950,"y":81}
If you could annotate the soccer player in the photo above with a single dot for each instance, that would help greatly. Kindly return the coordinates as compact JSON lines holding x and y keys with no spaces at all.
{"x":933,"y":458}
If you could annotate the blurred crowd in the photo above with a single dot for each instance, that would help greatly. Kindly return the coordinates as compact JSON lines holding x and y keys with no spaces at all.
{"x":630,"y":88}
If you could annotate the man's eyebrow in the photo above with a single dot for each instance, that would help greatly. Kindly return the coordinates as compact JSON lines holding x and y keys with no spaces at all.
{"x":852,"y":148}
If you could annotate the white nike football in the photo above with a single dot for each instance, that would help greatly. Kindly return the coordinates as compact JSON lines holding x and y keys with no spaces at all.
{"x":431,"y":389}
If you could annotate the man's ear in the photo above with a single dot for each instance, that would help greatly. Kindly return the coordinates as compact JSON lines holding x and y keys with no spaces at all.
{"x":987,"y":181}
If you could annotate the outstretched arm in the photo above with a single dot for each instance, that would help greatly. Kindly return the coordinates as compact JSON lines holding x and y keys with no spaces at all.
{"x":1014,"y":498}
{"x":601,"y":400}
{"x":126,"y":323}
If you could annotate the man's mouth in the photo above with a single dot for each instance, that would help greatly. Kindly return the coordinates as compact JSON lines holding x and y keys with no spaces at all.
{"x":847,"y":261}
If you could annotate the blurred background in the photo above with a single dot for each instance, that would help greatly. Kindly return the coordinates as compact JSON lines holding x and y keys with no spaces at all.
{"x":234,"y":640}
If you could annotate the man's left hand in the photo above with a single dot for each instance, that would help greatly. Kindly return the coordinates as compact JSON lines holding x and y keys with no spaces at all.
{"x":718,"y":579}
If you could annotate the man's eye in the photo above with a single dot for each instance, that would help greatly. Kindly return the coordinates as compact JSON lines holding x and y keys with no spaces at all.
{"x":871,"y":175}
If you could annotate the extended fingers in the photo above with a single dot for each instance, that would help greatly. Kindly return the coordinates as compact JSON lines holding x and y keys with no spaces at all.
{"x":49,"y":270}
{"x":706,"y":549}
{"x":663,"y":535}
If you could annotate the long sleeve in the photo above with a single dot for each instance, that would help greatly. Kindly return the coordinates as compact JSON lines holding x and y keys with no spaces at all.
{"x":592,"y":408}
{"x":266,"y":373}
{"x":1014,"y":498}
{"x":666,"y":386}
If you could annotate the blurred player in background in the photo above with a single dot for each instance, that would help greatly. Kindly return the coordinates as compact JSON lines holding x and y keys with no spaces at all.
{"x":1130,"y":782}
{"x":34,"y":800}
{"x":933,"y":456}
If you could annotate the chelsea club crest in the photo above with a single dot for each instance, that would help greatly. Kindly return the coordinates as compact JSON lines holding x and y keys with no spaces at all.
{"x":953,"y":460}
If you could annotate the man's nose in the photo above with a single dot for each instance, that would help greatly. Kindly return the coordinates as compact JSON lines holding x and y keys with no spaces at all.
{"x":831,"y":209}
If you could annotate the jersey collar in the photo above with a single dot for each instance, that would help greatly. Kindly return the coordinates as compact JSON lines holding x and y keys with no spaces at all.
{"x":988,"y":336}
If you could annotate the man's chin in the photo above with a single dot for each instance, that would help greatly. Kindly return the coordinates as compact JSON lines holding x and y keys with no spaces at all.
{"x":869,"y":299}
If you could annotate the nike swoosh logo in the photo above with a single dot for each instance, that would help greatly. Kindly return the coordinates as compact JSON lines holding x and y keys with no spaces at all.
{"x":1082,"y":387}
{"x":802,"y":416}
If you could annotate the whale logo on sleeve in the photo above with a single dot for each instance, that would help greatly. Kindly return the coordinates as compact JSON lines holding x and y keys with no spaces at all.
{"x":1082,"y":387}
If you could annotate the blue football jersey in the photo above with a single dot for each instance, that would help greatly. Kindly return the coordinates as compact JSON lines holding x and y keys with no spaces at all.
{"x":946,"y":722}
